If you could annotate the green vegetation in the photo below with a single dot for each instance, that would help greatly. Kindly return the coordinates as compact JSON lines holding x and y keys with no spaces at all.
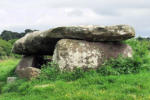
{"x":5,"y":49}
{"x":92,"y":86}
{"x":7,"y":68}
{"x":139,"y":62}
{"x":117,"y":79}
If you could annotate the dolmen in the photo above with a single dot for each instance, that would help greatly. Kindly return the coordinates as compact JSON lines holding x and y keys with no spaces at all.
{"x":72,"y":46}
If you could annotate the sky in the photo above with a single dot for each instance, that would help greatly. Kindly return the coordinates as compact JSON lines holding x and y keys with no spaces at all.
{"x":18,"y":15}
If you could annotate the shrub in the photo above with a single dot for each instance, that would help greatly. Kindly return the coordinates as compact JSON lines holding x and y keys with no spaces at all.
{"x":51,"y":71}
{"x":5,"y":48}
{"x":121,"y":66}
{"x":139,"y":61}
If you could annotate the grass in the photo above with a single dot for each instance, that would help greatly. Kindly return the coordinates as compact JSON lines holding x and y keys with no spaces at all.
{"x":91,"y":87}
{"x":124,"y":87}
{"x":7,"y":67}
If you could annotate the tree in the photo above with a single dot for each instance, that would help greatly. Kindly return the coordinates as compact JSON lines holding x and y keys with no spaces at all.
{"x":9,"y":35}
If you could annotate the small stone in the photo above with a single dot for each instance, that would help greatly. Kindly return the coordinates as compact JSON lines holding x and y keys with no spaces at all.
{"x":11,"y":79}
{"x":28,"y":72}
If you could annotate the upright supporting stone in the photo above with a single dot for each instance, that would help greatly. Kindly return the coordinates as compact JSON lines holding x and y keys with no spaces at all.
{"x":29,"y":61}
{"x":70,"y":54}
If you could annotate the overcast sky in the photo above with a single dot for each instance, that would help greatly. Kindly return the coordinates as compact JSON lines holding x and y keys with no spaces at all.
{"x":17,"y":15}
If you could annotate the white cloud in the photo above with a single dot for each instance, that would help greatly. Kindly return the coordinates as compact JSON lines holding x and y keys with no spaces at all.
{"x":17,"y":15}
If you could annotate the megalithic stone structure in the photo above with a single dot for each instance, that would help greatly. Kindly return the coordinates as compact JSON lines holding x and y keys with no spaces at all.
{"x":74,"y":46}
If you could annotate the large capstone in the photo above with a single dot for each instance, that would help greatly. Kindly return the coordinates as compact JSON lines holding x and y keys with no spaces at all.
{"x":70,"y":54}
{"x":43,"y":43}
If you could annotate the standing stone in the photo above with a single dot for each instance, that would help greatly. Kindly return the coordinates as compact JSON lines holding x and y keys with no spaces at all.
{"x":43,"y":42}
{"x":70,"y":54}
{"x":28,"y":61}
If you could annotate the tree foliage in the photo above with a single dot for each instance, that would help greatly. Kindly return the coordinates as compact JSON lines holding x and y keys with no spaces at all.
{"x":9,"y":35}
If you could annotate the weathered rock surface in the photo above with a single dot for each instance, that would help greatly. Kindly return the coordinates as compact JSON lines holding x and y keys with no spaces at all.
{"x":28,"y":72}
{"x":70,"y":54}
{"x":11,"y":79}
{"x":43,"y":43}
{"x":28,"y":61}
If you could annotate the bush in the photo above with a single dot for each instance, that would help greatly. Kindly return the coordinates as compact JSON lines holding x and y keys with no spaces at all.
{"x":49,"y":71}
{"x":5,"y":49}
{"x":139,"y":61}
{"x":52,"y":72}
{"x":12,"y":41}
{"x":121,"y":66}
